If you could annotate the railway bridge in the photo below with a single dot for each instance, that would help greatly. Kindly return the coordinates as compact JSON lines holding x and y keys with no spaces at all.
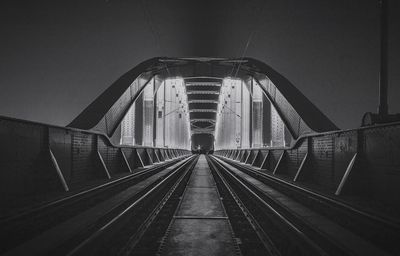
{"x":199,"y":156}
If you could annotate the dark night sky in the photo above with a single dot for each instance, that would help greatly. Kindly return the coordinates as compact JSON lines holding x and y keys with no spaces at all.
{"x":58,"y":56}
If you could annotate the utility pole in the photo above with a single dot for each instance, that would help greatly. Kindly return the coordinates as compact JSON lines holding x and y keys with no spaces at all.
{"x":383,"y":115}
{"x":383,"y":72}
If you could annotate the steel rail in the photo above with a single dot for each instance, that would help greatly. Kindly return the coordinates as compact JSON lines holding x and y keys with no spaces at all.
{"x":319,"y":197}
{"x":21,"y":228}
{"x":97,"y":188}
{"x":137,"y":236}
{"x":109,"y":224}
{"x":264,"y":238}
{"x":284,"y":220}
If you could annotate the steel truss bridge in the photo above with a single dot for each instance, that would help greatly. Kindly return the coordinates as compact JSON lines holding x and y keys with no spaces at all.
{"x":125,"y":176}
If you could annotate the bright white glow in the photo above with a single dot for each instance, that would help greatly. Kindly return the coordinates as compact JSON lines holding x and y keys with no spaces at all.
{"x":171,"y":116}
{"x":227,"y":132}
{"x":177,"y":114}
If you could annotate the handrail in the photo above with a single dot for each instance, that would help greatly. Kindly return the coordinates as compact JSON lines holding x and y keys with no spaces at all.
{"x":316,"y":134}
{"x":94,"y":132}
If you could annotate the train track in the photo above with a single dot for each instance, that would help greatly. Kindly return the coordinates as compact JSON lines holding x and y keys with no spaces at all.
{"x":57,"y":227}
{"x":327,"y":226}
{"x":206,"y":215}
{"x":204,"y":205}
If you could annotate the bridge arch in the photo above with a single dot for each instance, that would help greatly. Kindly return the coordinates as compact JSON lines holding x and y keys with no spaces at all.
{"x":107,"y":111}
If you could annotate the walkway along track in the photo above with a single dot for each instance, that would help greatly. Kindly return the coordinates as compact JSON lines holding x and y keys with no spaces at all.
{"x":200,"y":224}
{"x":318,"y":222}
{"x":83,"y":215}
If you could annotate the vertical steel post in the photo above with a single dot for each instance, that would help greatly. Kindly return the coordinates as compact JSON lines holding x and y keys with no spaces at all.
{"x":164,"y":111}
{"x":241,"y":114}
{"x":251,"y":114}
{"x":154,"y":113}
{"x":383,"y":72}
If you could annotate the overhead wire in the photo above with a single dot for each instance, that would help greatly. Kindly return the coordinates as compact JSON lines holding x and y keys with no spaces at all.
{"x":154,"y":31}
{"x":249,"y":39}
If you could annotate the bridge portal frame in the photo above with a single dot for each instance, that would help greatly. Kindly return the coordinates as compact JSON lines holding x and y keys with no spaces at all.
{"x":106,"y":112}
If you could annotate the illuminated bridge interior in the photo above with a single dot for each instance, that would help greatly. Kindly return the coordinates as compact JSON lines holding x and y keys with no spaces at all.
{"x":206,"y":104}
{"x":203,"y":113}
{"x":200,"y":156}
